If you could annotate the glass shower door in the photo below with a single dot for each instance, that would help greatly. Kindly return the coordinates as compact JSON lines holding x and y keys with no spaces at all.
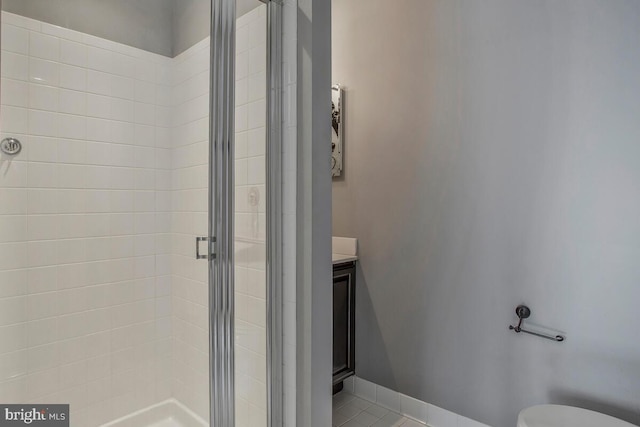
{"x":128,"y":131}
{"x":238,"y":271}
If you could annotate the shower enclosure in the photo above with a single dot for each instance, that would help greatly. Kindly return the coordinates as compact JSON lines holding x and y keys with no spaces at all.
{"x":140,"y":211}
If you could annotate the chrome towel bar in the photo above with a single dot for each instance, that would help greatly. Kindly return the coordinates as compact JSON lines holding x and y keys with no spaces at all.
{"x":523,"y":312}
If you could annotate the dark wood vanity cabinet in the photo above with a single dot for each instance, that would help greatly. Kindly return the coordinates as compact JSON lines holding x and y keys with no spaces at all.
{"x":344,"y":303}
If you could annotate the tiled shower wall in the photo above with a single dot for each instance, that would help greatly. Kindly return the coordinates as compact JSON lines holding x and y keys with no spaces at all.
{"x":189,"y":219}
{"x":190,"y":154}
{"x":85,"y":290}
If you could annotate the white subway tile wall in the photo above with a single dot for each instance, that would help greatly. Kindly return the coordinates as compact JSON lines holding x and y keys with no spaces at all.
{"x":250,"y":219}
{"x":102,"y":304}
{"x":85,"y":285}
{"x":189,"y":139}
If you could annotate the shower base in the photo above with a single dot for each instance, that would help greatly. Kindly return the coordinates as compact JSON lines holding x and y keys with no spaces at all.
{"x":169,"y":413}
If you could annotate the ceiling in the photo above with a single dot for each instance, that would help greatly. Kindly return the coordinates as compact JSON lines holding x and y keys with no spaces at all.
{"x":244,"y":6}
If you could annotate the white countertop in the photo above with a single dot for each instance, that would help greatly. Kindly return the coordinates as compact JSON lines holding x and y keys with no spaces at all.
{"x":340,"y":258}
{"x":344,"y":249}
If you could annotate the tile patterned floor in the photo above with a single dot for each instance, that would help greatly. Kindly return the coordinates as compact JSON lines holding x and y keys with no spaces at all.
{"x":351,"y":411}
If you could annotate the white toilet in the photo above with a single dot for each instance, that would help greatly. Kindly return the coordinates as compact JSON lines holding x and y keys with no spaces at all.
{"x":566,"y":416}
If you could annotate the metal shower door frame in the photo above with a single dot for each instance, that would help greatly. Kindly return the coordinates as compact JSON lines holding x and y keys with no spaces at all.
{"x":220,"y":255}
{"x":274,"y":182}
{"x":220,"y":240}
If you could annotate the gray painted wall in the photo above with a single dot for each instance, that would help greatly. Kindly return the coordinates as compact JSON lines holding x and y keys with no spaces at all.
{"x":166,"y":27}
{"x":312,"y":254}
{"x":493,"y":158}
{"x":191,"y":23}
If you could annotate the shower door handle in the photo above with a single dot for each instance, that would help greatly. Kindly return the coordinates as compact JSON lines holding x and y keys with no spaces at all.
{"x":209,"y":254}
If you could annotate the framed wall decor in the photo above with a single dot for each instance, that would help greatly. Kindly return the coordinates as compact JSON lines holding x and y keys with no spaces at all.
{"x":337,"y":132}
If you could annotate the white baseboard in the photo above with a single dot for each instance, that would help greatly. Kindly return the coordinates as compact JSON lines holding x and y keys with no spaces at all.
{"x":407,"y":406}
